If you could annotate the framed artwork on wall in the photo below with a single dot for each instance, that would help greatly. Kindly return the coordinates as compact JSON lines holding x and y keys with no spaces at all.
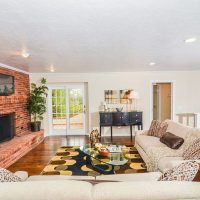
{"x":117,"y":96}
{"x":111,"y":96}
{"x":124,"y":96}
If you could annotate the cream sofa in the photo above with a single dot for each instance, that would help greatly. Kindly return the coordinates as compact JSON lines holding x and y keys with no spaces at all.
{"x":144,"y":143}
{"x":139,"y":186}
{"x":83,"y":190}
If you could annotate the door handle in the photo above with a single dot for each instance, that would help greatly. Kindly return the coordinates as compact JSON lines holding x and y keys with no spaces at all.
{"x":84,"y":109}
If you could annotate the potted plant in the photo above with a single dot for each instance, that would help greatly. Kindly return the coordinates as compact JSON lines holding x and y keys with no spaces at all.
{"x":37,"y":104}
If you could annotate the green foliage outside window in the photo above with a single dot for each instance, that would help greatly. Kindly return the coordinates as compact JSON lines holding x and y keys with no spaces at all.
{"x":59,"y":103}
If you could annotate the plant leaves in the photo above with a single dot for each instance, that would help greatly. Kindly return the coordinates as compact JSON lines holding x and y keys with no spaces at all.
{"x":37,"y":100}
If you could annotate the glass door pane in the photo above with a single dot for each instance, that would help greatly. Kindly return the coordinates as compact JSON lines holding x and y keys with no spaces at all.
{"x":58,"y":109}
{"x":67,"y":110}
{"x":76,"y":108}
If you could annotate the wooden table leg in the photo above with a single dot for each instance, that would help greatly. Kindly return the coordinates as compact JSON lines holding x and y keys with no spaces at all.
{"x":100,"y":131}
{"x":131,"y":132}
{"x":111,"y":133}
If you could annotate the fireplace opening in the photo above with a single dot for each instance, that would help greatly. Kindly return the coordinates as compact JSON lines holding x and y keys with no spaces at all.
{"x":7,"y":127}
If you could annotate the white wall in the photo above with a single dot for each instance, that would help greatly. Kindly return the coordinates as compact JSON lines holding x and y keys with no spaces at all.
{"x":187,"y":90}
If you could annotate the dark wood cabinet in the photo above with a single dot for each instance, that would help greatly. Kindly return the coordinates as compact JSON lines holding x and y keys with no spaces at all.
{"x":121,"y":119}
{"x":135,"y":118}
{"x":117,"y":118}
{"x":106,"y":119}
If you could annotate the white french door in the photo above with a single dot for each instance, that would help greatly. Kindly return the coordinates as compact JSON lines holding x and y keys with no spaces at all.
{"x":67,"y":108}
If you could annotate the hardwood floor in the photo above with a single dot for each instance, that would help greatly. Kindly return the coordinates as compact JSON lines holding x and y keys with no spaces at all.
{"x":35,"y":161}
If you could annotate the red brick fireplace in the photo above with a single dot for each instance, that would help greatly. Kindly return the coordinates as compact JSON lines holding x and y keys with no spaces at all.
{"x":23,"y":140}
{"x":17,"y":103}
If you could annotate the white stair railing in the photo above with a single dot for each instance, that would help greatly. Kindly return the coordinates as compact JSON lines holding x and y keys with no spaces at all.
{"x":189,"y":119}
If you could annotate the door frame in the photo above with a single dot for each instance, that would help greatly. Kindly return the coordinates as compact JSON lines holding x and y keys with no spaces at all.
{"x":66,"y":86}
{"x":173,"y":115}
{"x":158,"y":100}
{"x":49,"y":111}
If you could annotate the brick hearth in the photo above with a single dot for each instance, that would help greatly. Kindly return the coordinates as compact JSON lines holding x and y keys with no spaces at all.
{"x":24,"y":140}
{"x":14,"y":149}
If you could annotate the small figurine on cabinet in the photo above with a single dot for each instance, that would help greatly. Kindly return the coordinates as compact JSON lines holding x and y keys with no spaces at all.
{"x":94,"y":137}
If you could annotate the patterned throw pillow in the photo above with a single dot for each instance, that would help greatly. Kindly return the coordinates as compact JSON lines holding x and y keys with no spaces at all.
{"x":7,"y":176}
{"x":193,"y":151}
{"x":157,"y":129}
{"x":184,"y":172}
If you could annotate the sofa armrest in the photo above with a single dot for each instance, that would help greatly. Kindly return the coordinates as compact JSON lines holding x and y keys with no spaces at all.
{"x":174,"y":163}
{"x":142,"y":132}
{"x":22,"y":174}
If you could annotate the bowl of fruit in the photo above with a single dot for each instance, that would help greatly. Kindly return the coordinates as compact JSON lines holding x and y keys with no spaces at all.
{"x":103,"y":151}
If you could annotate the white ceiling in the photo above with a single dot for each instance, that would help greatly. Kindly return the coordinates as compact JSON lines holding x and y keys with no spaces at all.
{"x":100,"y":35}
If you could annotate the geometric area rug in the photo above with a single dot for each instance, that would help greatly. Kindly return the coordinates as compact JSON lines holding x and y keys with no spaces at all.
{"x":70,"y":160}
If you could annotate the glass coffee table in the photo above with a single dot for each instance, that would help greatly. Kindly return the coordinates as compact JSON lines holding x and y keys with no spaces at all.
{"x":113,"y":159}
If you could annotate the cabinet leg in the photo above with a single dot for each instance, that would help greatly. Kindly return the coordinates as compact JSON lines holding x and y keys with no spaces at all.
{"x":131,"y":132}
{"x":100,"y":131}
{"x":111,"y":133}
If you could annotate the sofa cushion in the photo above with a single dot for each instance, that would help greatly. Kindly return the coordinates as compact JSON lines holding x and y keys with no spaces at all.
{"x":157,"y":190}
{"x":171,"y":140}
{"x":178,"y":129}
{"x":7,"y":176}
{"x":167,"y":162}
{"x":193,"y":151}
{"x":46,"y":190}
{"x":157,"y":129}
{"x":183,"y":172}
{"x":145,"y":142}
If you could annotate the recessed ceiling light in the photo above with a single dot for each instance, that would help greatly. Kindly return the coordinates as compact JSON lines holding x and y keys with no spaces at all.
{"x":25,"y":54}
{"x":52,"y":69}
{"x":152,"y":63}
{"x":190,"y":40}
